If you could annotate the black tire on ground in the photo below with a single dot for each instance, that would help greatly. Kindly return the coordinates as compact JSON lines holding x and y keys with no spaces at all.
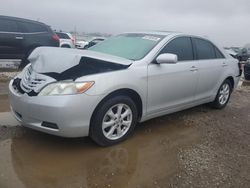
{"x":216,"y":103}
{"x":65,"y":46}
{"x":25,"y":60}
{"x":247,"y":77}
{"x":23,"y":63}
{"x":96,"y":132}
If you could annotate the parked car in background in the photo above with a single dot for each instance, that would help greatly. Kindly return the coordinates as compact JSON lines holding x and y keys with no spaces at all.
{"x":80,"y":44}
{"x":66,"y":40}
{"x":19,"y":37}
{"x":103,"y":92}
{"x":236,"y":49}
{"x":87,"y":44}
{"x":231,"y":52}
{"x":243,"y":54}
{"x":93,"y":42}
{"x":247,"y":70}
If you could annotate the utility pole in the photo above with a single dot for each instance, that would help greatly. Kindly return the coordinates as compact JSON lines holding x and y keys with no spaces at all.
{"x":75,"y":32}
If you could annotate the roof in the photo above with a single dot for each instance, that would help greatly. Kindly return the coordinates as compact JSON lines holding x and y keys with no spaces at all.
{"x":21,"y":19}
{"x":163,"y":33}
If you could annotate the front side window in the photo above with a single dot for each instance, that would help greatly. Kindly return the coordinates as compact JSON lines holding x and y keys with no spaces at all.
{"x":8,"y":25}
{"x":204,"y":49}
{"x":130,"y":46}
{"x":182,"y":47}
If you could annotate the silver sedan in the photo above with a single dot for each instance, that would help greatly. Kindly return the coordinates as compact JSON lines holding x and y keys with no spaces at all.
{"x":103,"y":92}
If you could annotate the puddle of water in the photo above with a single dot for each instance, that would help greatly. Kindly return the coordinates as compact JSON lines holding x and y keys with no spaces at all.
{"x":3,"y":88}
{"x":6,"y":118}
{"x":7,"y":173}
{"x":147,"y":159}
{"x":4,"y":103}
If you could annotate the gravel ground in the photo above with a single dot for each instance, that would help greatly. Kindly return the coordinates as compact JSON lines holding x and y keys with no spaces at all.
{"x":221,"y":159}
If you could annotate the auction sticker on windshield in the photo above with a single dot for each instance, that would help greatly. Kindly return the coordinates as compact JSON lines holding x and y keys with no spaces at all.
{"x":153,"y":38}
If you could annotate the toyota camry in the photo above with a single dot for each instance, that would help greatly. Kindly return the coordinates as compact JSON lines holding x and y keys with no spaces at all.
{"x":103,"y":92}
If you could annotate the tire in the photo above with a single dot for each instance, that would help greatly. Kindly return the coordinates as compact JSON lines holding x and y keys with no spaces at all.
{"x":25,"y":60}
{"x":247,"y":77}
{"x":65,"y":46}
{"x":23,"y":63}
{"x":106,"y":128}
{"x":223,"y":95}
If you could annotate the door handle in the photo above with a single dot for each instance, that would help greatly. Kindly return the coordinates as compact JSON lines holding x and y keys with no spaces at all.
{"x":224,"y":64}
{"x":19,"y":38}
{"x":193,"y":69}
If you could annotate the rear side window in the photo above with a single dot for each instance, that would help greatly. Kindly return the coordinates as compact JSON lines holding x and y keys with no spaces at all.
{"x":182,"y":47}
{"x":204,"y":49}
{"x":8,"y":26}
{"x":63,"y":36}
{"x":33,"y":27}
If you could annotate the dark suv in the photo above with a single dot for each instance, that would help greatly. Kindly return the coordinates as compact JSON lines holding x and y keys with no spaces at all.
{"x":19,"y":37}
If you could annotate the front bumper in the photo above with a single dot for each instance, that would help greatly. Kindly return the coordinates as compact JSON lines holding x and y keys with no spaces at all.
{"x":70,"y":113}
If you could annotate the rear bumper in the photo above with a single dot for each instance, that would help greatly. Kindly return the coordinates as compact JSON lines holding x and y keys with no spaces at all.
{"x":71,"y":113}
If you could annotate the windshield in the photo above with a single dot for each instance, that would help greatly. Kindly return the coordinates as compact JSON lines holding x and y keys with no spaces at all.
{"x":129,"y":46}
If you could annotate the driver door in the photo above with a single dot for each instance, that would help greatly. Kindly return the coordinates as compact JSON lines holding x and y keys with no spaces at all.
{"x":172,"y":86}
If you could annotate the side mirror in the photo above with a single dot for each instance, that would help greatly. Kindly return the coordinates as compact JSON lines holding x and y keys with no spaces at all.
{"x":167,"y":58}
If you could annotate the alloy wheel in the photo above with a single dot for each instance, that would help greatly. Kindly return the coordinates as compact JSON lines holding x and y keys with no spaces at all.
{"x":117,"y":121}
{"x":224,"y":93}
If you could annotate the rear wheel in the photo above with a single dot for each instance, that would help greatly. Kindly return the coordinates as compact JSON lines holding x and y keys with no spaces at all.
{"x":114,"y":121}
{"x":223,"y":95}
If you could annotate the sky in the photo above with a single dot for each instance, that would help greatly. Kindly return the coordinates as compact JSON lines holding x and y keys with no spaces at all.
{"x":226,"y":22}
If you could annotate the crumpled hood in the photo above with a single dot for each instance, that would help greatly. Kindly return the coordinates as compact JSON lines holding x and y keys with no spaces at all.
{"x":58,"y":60}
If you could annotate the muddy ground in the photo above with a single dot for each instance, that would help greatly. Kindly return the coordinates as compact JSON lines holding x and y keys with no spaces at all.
{"x":199,"y":147}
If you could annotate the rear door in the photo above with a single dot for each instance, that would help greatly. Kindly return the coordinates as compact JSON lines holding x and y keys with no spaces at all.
{"x":210,"y":64}
{"x":11,"y":39}
{"x":173,"y":85}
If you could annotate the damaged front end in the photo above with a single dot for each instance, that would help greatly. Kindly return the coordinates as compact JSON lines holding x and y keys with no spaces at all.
{"x":31,"y":82}
{"x":86,"y":66}
{"x":52,"y":65}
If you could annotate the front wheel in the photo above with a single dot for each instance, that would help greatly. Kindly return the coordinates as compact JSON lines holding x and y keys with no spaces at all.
{"x":223,"y":95}
{"x":114,"y":121}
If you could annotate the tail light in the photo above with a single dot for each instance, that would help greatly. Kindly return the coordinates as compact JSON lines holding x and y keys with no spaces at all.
{"x":55,"y":37}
